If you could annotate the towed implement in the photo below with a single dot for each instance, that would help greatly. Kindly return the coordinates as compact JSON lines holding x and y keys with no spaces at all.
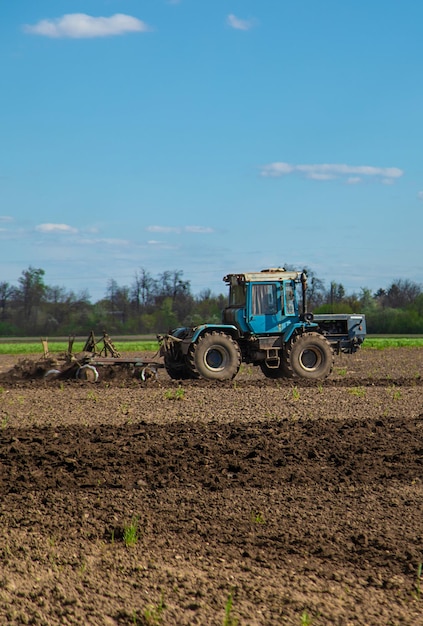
{"x":264,"y":326}
{"x":85,"y":365}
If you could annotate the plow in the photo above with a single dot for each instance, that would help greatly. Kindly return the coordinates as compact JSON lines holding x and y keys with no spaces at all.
{"x":89,"y":364}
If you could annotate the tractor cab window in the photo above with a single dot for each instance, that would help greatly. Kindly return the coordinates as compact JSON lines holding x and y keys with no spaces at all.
{"x":264,"y":300}
{"x":289,"y":299}
{"x":237,"y":296}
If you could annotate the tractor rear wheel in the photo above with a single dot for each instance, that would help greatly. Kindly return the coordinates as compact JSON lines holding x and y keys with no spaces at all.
{"x":215,"y":356}
{"x":177,"y":369}
{"x":308,"y":356}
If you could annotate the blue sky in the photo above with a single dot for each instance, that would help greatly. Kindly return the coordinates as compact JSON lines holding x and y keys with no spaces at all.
{"x":211,"y":136}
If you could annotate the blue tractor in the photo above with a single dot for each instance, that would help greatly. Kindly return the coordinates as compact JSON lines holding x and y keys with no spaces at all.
{"x":264,"y":326}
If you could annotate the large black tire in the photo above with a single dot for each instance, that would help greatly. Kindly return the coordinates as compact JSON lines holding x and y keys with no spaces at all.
{"x":308,"y":356}
{"x":177,"y":370}
{"x":215,"y":356}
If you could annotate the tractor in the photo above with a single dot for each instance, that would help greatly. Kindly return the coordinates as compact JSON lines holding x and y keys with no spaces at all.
{"x":265,"y":324}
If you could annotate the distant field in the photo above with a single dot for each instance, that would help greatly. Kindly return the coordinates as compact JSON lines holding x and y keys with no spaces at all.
{"x":32,"y":346}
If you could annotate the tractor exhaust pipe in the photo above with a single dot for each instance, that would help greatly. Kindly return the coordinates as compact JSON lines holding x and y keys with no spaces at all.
{"x":304,"y":290}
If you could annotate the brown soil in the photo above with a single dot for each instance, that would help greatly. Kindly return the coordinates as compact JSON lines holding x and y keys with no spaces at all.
{"x":301,"y":502}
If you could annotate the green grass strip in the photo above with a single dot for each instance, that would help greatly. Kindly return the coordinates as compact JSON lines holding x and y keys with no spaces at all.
{"x":380,"y":343}
{"x":58,"y":347}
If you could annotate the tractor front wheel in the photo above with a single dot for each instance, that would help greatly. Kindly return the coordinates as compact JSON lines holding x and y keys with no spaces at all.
{"x":308,"y":356}
{"x":215,"y":356}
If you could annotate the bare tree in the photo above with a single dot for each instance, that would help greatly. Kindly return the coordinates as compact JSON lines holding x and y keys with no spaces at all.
{"x":171,"y":285}
{"x":6,"y":293}
{"x":118,"y":300}
{"x":31,"y":291}
{"x":142,"y":290}
{"x":401,"y":293}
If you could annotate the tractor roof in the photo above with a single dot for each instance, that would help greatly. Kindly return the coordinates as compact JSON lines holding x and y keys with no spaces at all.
{"x":271,"y":274}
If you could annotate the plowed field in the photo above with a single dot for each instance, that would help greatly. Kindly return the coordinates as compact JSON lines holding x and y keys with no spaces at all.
{"x":131,"y":502}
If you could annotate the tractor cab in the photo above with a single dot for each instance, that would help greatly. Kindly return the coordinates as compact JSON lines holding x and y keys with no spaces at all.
{"x":262,"y":303}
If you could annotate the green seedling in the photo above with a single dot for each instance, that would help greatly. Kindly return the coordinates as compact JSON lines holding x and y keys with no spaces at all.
{"x":357,"y":391}
{"x":4,"y":421}
{"x":342,"y":371}
{"x":229,"y":619}
{"x":305,"y":619}
{"x":396,"y":393}
{"x":257,"y":517}
{"x":295,"y":394}
{"x":130,"y":533}
{"x":418,"y":585}
{"x":179,"y":394}
{"x":153,"y":614}
{"x":92,"y":396}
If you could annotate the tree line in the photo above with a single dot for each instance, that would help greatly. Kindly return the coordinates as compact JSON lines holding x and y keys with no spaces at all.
{"x":153,"y":305}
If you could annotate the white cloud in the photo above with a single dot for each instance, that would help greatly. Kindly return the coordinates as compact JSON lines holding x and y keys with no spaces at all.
{"x":160,"y":245}
{"x":239,"y":24}
{"x":320,"y":175}
{"x":178,"y":230}
{"x":163,"y":229}
{"x":56,"y":228}
{"x":6,"y":218}
{"x":420,"y":195}
{"x":106,"y":241}
{"x":80,"y":25}
{"x":198,"y":229}
{"x":331,"y":171}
